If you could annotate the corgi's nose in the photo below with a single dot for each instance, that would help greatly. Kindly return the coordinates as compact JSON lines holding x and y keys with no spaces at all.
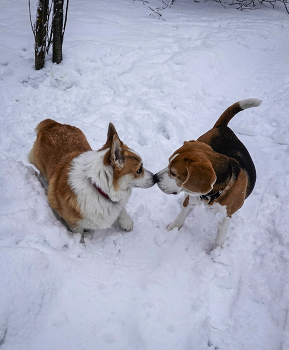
{"x":156,"y":179}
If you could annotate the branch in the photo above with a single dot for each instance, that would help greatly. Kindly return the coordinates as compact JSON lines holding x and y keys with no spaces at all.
{"x":49,"y":29}
{"x":33,"y":29}
{"x":285,"y":4}
{"x":65,"y":20}
{"x":156,"y":13}
{"x":253,"y":4}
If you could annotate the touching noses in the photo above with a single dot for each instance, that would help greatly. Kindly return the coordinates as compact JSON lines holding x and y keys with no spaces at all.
{"x":155,"y":178}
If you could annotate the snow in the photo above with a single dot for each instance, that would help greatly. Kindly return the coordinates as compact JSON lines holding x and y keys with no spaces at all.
{"x":160,"y":82}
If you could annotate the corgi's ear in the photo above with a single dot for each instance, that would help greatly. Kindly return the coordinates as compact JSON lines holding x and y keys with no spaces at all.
{"x":116,"y":153}
{"x":110,"y":133}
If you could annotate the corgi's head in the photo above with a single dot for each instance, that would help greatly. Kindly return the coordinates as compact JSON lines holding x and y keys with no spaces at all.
{"x":127,"y":165}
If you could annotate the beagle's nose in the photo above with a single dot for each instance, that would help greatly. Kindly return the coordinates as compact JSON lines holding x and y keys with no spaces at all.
{"x":156,"y":179}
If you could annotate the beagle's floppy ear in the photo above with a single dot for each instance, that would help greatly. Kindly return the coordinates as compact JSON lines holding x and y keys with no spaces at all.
{"x":200,"y":176}
{"x":116,"y":153}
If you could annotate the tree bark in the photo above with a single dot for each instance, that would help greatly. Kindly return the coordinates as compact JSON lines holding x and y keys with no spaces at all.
{"x":41,"y":33}
{"x":57,"y":31}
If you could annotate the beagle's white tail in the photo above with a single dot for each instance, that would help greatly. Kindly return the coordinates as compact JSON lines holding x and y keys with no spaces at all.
{"x":237,"y":107}
{"x":249,"y":103}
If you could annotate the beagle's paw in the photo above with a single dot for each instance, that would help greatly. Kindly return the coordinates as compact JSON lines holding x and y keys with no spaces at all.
{"x":173,"y":225}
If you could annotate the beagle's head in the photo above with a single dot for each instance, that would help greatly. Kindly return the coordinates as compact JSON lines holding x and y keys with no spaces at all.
{"x":189,"y":170}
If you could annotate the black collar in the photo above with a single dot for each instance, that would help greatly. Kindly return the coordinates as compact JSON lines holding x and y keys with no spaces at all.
{"x":210,"y":197}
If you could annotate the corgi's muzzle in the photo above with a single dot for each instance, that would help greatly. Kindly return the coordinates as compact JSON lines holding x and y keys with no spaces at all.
{"x":146,"y":181}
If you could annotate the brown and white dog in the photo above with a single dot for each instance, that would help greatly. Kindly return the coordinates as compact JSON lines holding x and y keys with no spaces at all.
{"x":87,"y":189}
{"x":217,"y":168}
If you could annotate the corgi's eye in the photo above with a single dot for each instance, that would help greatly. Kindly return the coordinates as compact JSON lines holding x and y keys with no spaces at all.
{"x":173,"y":174}
{"x":139,"y":170}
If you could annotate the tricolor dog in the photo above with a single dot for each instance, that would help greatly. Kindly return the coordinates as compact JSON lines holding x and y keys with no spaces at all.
{"x":215,"y":169}
{"x":88,"y":189}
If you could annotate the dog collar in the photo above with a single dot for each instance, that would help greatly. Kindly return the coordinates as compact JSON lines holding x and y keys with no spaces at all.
{"x":211,"y":197}
{"x":101,"y":192}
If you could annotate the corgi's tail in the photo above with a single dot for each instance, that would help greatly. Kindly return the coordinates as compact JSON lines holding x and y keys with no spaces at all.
{"x":237,"y":107}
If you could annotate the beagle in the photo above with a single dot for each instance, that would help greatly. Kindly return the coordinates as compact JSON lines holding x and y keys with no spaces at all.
{"x":87,"y":189}
{"x":215,"y":169}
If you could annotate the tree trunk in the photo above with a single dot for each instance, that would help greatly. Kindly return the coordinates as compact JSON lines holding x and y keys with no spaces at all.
{"x":57,"y":31}
{"x":41,"y":33}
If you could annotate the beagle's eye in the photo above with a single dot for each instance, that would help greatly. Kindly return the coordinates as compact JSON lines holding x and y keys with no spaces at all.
{"x":139,"y":170}
{"x":173,"y":174}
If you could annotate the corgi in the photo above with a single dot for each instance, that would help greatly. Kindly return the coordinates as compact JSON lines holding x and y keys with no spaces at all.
{"x":87,"y":189}
{"x":217,"y":169}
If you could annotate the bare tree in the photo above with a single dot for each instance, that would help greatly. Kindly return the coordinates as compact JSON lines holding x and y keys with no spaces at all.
{"x":40,"y":33}
{"x":48,"y":30}
{"x":57,"y":31}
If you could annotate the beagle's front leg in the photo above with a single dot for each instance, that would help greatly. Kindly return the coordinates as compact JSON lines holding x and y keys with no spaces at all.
{"x":186,"y":207}
{"x":222,"y":232}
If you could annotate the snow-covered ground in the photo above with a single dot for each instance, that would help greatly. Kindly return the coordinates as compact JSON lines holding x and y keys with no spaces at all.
{"x":160,"y":82}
